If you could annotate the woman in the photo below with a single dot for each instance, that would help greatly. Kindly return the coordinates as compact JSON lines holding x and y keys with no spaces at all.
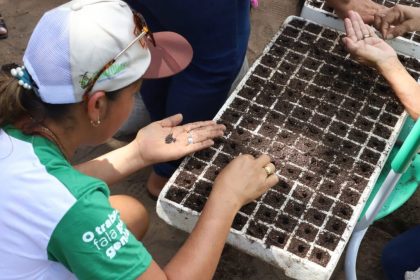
{"x":83,"y":65}
{"x":401,"y":254}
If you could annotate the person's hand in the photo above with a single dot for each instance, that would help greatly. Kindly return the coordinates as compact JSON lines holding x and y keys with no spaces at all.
{"x":398,"y":20}
{"x":364,"y":45}
{"x":366,"y":8}
{"x":164,"y":140}
{"x":244,"y":179}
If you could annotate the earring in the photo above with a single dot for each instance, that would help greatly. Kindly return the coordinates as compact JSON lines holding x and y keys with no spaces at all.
{"x":95,"y":123}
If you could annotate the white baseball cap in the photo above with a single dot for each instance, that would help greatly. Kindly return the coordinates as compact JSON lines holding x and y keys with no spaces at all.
{"x":71,"y":43}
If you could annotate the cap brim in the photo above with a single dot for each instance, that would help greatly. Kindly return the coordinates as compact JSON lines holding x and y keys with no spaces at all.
{"x":171,"y":55}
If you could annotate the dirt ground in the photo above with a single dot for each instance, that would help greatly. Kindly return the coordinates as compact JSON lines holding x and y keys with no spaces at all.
{"x":163,"y":240}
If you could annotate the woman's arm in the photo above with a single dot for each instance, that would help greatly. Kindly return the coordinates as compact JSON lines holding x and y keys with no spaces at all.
{"x":405,"y":87}
{"x":239,"y":183}
{"x":397,"y":20}
{"x":363,"y":44}
{"x":160,"y":141}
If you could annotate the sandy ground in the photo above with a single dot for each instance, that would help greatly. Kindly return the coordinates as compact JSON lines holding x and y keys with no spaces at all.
{"x":163,"y":240}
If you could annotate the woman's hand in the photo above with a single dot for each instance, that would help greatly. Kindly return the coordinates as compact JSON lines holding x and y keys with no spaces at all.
{"x":398,"y":20}
{"x":244,"y":179}
{"x":165,"y":141}
{"x":364,"y":45}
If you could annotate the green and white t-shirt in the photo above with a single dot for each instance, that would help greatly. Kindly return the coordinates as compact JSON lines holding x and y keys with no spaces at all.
{"x":57,"y":223}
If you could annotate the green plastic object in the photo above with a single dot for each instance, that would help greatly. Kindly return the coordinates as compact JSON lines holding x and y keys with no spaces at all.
{"x":410,"y":180}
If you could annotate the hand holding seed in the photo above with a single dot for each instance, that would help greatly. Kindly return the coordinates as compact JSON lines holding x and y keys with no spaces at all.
{"x":364,"y":45}
{"x":166,"y":140}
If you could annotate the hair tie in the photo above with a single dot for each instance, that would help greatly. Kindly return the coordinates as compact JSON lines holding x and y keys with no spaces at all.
{"x":21,"y":74}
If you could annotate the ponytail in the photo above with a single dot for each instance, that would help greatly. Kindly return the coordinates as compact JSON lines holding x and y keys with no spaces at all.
{"x":11,"y":108}
{"x":17,"y":102}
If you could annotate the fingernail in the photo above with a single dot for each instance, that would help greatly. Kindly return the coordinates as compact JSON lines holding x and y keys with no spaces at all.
{"x":389,"y":36}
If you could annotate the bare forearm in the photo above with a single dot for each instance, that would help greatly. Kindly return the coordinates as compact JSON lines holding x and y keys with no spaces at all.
{"x":199,"y":256}
{"x":114,"y":166}
{"x":404,"y":86}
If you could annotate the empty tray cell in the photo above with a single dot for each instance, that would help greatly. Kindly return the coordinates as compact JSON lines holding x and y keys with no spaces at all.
{"x":248,"y":208}
{"x":203,"y":188}
{"x":382,"y":131}
{"x":185,"y":180}
{"x":262,"y":71}
{"x":311,"y":63}
{"x":276,"y":238}
{"x":274,"y":199}
{"x":249,"y":123}
{"x":342,"y":210}
{"x":335,"y":225}
{"x":231,"y":116}
{"x":234,"y":148}
{"x":358,"y":136}
{"x":356,"y":182}
{"x":314,"y":216}
{"x":317,"y":165}
{"x":322,"y":202}
{"x":363,"y":124}
{"x":302,"y":114}
{"x":268,"y":130}
{"x":370,"y":156}
{"x":275,"y":118}
{"x":298,"y":247}
{"x":307,"y":232}
{"x":239,"y":221}
{"x":195,"y":202}
{"x":376,"y":143}
{"x":286,"y":223}
{"x":330,"y":188}
{"x":305,"y":145}
{"x":388,"y":119}
{"x":265,"y":214}
{"x":176,"y":194}
{"x":221,"y":160}
{"x":205,"y":155}
{"x":328,"y":240}
{"x":349,"y":196}
{"x":283,"y":186}
{"x":241,"y":135}
{"x":286,"y":137}
{"x":294,"y":208}
{"x":267,"y":60}
{"x":195,"y":166}
{"x":344,"y":161}
{"x":320,"y":257}
{"x":302,"y":194}
{"x":260,"y":143}
{"x":211,"y":172}
{"x":257,"y":230}
{"x":255,"y":82}
{"x":290,"y":171}
{"x":310,"y":179}
{"x":248,"y":93}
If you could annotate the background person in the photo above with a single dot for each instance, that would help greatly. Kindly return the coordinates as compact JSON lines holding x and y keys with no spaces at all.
{"x":366,"y":8}
{"x":401,"y":254}
{"x":397,"y":21}
{"x":77,"y":87}
{"x":218,"y":31}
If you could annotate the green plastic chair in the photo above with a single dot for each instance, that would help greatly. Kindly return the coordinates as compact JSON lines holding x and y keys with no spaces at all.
{"x":408,"y":183}
{"x":396,"y":184}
